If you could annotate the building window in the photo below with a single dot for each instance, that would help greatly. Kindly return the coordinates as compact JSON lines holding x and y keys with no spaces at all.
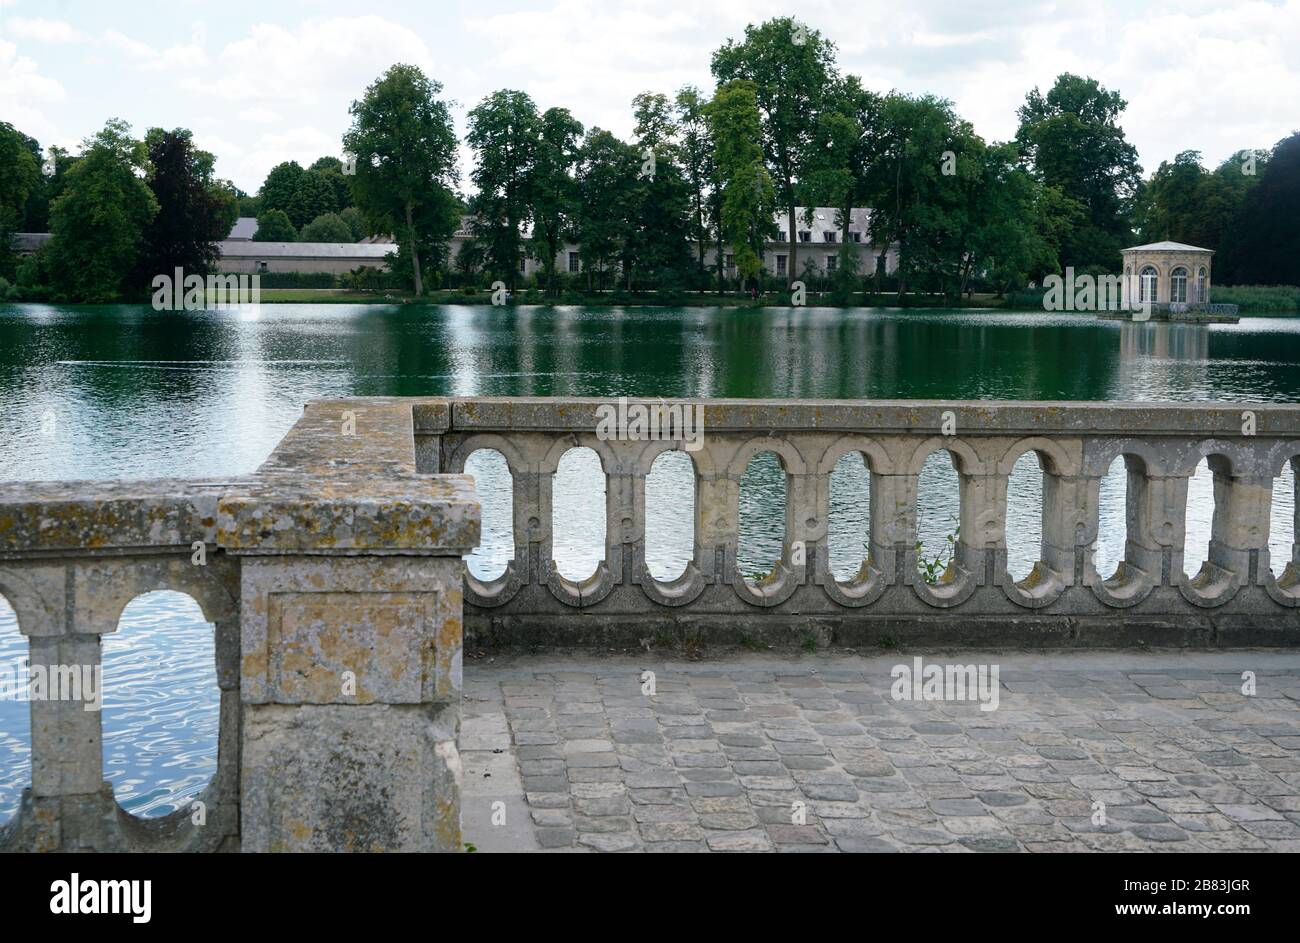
{"x":781,"y":264}
{"x":828,"y":236}
{"x":261,"y":266}
{"x":1203,"y":286}
{"x":1147,"y":285}
{"x":855,"y":236}
{"x":523,"y":264}
{"x":573,"y":263}
{"x":805,"y":235}
{"x":1178,"y":285}
{"x":731,"y":262}
{"x":830,"y":263}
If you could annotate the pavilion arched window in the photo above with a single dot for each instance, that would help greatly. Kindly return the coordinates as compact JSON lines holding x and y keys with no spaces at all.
{"x":1147,"y":285}
{"x":1178,"y":285}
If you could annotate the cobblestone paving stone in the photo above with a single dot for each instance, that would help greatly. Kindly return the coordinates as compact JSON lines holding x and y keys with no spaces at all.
{"x":727,"y":751}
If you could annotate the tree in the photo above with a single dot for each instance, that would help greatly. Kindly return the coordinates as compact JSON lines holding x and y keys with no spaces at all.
{"x":355,"y":222}
{"x":1072,"y":139}
{"x":328,"y":227}
{"x":19,"y":175}
{"x":909,"y":156}
{"x":98,"y":223}
{"x":281,"y":187}
{"x":659,"y":234}
{"x":406,"y":165}
{"x":1263,"y":243}
{"x":696,"y":153}
{"x":195,"y":210}
{"x":503,"y":130}
{"x":1187,"y":203}
{"x":313,"y":196}
{"x":274,"y":226}
{"x":748,"y":196}
{"x":791,"y":66}
{"x":844,"y":148}
{"x":606,"y":184}
{"x":330,"y":169}
{"x":553,"y":188}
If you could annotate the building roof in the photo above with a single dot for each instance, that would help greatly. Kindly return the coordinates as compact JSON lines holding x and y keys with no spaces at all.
{"x":245,"y":228}
{"x":247,"y":249}
{"x":824,"y":219}
{"x":1167,"y":246}
{"x":30,"y":241}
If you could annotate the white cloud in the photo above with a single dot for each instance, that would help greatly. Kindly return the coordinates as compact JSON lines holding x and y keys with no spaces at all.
{"x":318,"y":60}
{"x":259,"y":114}
{"x":24,"y":92}
{"x":42,"y":30}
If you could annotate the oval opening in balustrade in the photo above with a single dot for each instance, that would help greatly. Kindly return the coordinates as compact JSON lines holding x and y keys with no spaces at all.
{"x":1282,"y":529}
{"x":938,"y":514}
{"x":670,"y":515}
{"x":496,"y":492}
{"x":578,"y":514}
{"x":161,"y":709}
{"x":1199,"y":520}
{"x":848,"y":530}
{"x":15,"y":714}
{"x":1112,"y":519}
{"x":1024,"y":533}
{"x":761,"y":539}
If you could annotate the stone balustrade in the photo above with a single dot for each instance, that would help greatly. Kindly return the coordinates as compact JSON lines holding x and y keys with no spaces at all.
{"x":1233,"y":600}
{"x":333,"y":579}
{"x":336,"y":582}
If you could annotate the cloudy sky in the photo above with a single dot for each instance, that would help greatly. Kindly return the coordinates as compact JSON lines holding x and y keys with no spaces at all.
{"x":262,"y":82}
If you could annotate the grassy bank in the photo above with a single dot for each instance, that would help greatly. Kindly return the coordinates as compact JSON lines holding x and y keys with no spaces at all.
{"x":1258,"y":299}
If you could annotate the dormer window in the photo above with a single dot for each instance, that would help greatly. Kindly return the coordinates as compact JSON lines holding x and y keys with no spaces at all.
{"x":855,"y":235}
{"x":828,"y":236}
{"x":805,"y":235}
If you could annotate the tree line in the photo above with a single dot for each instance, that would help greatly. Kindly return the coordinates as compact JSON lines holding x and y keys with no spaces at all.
{"x":783,"y":128}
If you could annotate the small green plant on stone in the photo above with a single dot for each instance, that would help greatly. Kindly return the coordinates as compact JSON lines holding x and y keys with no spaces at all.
{"x":888,"y":642}
{"x":809,"y":643}
{"x":933,"y":568}
{"x":470,"y":848}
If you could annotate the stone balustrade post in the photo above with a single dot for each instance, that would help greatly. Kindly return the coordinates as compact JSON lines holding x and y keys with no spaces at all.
{"x":350,"y":640}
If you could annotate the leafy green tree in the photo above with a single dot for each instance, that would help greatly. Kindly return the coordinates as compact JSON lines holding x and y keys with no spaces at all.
{"x":910,"y":202}
{"x":275,"y":226}
{"x":658,"y":242}
{"x":503,"y":130}
{"x":845,"y":145}
{"x":331,"y":170}
{"x":791,"y":66}
{"x":281,"y":187}
{"x":607,"y":196}
{"x":328,"y":227}
{"x":553,"y":188}
{"x":195,"y":210}
{"x":98,"y":224}
{"x":1187,"y":203}
{"x":1072,"y":138}
{"x":406,"y":165}
{"x":313,"y":196}
{"x":1263,"y":244}
{"x":696,"y":155}
{"x":748,"y":194}
{"x":20,"y":175}
{"x":355,"y":222}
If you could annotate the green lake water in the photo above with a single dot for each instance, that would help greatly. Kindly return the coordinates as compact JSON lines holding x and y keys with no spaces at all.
{"x":123,"y":391}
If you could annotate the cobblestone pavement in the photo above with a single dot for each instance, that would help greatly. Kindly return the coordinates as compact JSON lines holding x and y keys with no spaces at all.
{"x":724,"y":755}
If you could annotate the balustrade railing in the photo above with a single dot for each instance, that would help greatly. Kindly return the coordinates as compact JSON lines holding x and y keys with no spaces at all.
{"x":336,"y":582}
{"x":1233,"y":599}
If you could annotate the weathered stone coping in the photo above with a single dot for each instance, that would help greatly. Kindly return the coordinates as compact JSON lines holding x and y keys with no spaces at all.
{"x":579,"y":414}
{"x":326,"y":487}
